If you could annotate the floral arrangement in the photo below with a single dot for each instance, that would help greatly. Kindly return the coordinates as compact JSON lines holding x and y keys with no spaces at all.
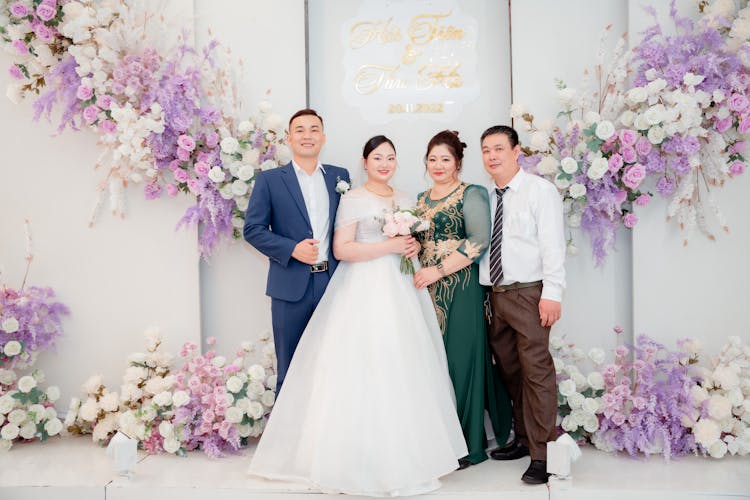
{"x":403,"y":222}
{"x":30,"y":322}
{"x":205,"y":404}
{"x":652,"y":400}
{"x":679,"y":129}
{"x":166,"y":114}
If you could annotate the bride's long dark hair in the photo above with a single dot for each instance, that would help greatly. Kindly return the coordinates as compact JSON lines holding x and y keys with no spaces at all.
{"x":373,"y":143}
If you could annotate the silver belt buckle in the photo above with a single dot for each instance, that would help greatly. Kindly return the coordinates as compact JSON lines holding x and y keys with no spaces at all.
{"x":319,"y":267}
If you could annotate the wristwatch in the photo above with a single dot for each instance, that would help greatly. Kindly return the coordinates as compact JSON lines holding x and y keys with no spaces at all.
{"x":441,"y":270}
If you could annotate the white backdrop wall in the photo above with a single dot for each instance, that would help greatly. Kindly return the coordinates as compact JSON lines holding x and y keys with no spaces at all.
{"x":124,"y":275}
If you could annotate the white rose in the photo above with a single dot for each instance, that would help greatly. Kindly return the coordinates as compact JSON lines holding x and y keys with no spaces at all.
{"x":605,"y":129}
{"x":656,"y":135}
{"x":271,"y":382}
{"x":590,"y":405}
{"x":12,"y":348}
{"x":591,"y":424}
{"x":229,"y":145}
{"x":566,"y":96}
{"x":246,"y":172}
{"x":591,"y":117}
{"x":219,"y":361}
{"x":580,"y":381}
{"x":180,"y":398}
{"x":539,"y":141}
{"x":130,"y":392}
{"x":579,"y":416}
{"x":283,"y":154}
{"x":656,"y":86}
{"x":726,"y":377}
{"x":166,"y":429}
{"x":110,"y":402}
{"x":547,"y":165}
{"x":569,"y":165}
{"x":233,"y":415}
{"x":7,"y":403}
{"x":577,"y":190}
{"x":255,"y":410}
{"x":53,"y":426}
{"x":256,"y":372}
{"x":135,"y":373}
{"x":89,"y":410}
{"x":92,"y":385}
{"x":49,"y":413}
{"x":37,"y":412}
{"x":17,"y":416}
{"x":268,"y":398}
{"x":239,"y":188}
{"x":7,"y":377}
{"x":595,"y":381}
{"x":244,"y":127}
{"x":627,"y":118}
{"x":53,"y":393}
{"x":234,"y":384}
{"x":706,"y":432}
{"x":718,"y":449}
{"x":597,"y":169}
{"x":575,"y":400}
{"x":243,"y":404}
{"x":171,"y":445}
{"x":718,"y":96}
{"x":273,"y":122}
{"x":28,"y":430}
{"x":244,"y":430}
{"x":567,"y":387}
{"x":268,"y":165}
{"x":568,"y":424}
{"x":691,"y":79}
{"x":719,"y":407}
{"x":636,"y":95}
{"x":26,"y":383}
{"x":242,"y":203}
{"x":650,"y":74}
{"x":655,"y":114}
{"x":517,"y":110}
{"x":736,"y":397}
{"x":10,"y":432}
{"x":148,"y":413}
{"x":641,"y":123}
{"x":342,"y":186}
{"x":255,"y":389}
{"x":164,"y":398}
{"x":596,"y":355}
{"x":216,"y":174}
{"x":698,"y":395}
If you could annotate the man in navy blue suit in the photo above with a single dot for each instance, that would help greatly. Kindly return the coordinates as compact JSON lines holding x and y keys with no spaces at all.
{"x":290,"y":219}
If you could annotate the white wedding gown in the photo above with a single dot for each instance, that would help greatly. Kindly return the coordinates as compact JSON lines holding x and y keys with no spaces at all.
{"x":367,"y":405}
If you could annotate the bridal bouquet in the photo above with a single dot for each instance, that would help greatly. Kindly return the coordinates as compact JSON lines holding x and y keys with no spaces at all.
{"x":401,"y":222}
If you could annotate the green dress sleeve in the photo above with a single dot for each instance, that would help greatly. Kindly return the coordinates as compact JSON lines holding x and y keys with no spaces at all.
{"x":476,"y":209}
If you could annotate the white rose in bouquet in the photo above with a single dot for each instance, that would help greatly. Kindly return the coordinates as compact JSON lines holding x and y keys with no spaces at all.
{"x":245,"y":126}
{"x":53,"y":426}
{"x":604,"y":130}
{"x":244,"y":430}
{"x":234,"y":384}
{"x":568,"y":424}
{"x":719,"y":407}
{"x":597,"y":169}
{"x":547,"y":165}
{"x":12,"y":348}
{"x":171,"y":445}
{"x":10,"y":325}
{"x":591,"y":117}
{"x":718,"y":449}
{"x":7,"y":377}
{"x":7,"y":403}
{"x":283,"y":154}
{"x":255,"y":389}
{"x":53,"y":393}
{"x":636,"y":95}
{"x":539,"y":141}
{"x":28,"y":430}
{"x":595,"y":381}
{"x":706,"y":432}
{"x":37,"y":413}
{"x":17,"y":416}
{"x":569,"y":165}
{"x":166,"y":429}
{"x":268,"y":398}
{"x":590,"y":405}
{"x":726,"y":377}
{"x":255,"y":410}
{"x":110,"y":401}
{"x":10,"y":432}
{"x":89,"y":410}
{"x":577,"y":190}
{"x":597,"y":355}
{"x":234,"y":415}
{"x":130,"y":392}
{"x":575,"y":400}
{"x":580,"y":381}
{"x":271,"y":381}
{"x":92,"y":385}
{"x":164,"y":398}
{"x":567,"y":387}
{"x":180,"y":398}
{"x":591,"y":424}
{"x":256,"y":372}
{"x":229,"y":145}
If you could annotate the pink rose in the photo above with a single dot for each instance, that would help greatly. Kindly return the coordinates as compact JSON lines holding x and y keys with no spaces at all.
{"x":104,"y":101}
{"x":628,"y":137}
{"x":630,"y":220}
{"x":186,"y":142}
{"x":212,"y":139}
{"x":615,"y":162}
{"x":84,"y":92}
{"x":46,"y":12}
{"x":723,"y":125}
{"x":643,"y":200}
{"x":738,"y":147}
{"x":107,"y":127}
{"x":44,"y":33}
{"x":193,"y":186}
{"x":620,"y":196}
{"x":621,"y":351}
{"x":634,"y":175}
{"x":618,"y":419}
{"x":194,"y":382}
{"x":181,"y":176}
{"x":90,"y":113}
{"x":19,"y":10}
{"x":643,"y":146}
{"x":738,"y":102}
{"x":171,"y":190}
{"x":174,"y":165}
{"x":224,"y":429}
{"x":20,"y":47}
{"x":203,"y":156}
{"x":15,"y":72}
{"x":744,"y":127}
{"x":628,"y":154}
{"x":183,"y":154}
{"x":202,"y":168}
{"x":390,"y":229}
{"x":737,"y":167}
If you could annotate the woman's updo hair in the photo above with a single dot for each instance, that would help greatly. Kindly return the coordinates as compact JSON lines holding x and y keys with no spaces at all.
{"x":450,"y":139}
{"x":373,"y":143}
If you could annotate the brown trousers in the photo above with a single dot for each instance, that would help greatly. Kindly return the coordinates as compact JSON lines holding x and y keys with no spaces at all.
{"x":521,"y":349}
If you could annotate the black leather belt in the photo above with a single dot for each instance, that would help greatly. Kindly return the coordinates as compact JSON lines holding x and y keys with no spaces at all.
{"x":319,"y":267}
{"x":515,"y":286}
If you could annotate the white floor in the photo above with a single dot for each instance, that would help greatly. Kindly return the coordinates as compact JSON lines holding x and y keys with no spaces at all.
{"x":75,"y":468}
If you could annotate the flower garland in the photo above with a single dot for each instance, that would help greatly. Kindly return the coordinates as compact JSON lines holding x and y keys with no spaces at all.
{"x":166,"y":119}
{"x":30,"y":322}
{"x":206,"y":404}
{"x":679,"y":129}
{"x":653,"y":400}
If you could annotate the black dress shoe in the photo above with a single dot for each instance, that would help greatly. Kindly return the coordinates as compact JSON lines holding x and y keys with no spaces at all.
{"x":536,"y":473}
{"x":513,"y":451}
{"x":464,"y":463}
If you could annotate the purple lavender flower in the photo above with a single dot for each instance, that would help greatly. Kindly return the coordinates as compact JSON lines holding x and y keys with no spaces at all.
{"x":665,"y":186}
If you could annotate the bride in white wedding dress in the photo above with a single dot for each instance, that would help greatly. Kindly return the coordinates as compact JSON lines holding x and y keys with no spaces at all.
{"x":367,"y":405}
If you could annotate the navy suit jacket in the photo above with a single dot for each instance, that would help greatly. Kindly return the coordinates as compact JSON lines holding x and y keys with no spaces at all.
{"x":276,"y":220}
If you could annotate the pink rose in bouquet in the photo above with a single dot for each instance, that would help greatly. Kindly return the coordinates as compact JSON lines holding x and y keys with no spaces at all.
{"x":403,"y":223}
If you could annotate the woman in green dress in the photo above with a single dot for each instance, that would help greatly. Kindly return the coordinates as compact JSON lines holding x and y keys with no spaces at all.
{"x":459,"y":234}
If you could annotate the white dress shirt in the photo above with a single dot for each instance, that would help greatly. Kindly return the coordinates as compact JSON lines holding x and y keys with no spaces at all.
{"x":533,"y":245}
{"x":315,"y":193}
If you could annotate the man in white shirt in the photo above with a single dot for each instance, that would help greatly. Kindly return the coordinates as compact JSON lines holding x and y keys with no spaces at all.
{"x":290,"y":219}
{"x":525,"y":275}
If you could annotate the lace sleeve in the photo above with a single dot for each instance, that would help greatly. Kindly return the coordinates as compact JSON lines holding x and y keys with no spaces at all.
{"x":352,"y":208}
{"x":477,"y":222}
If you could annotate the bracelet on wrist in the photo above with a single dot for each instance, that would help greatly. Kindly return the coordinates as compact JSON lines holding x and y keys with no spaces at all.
{"x":441,"y":269}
